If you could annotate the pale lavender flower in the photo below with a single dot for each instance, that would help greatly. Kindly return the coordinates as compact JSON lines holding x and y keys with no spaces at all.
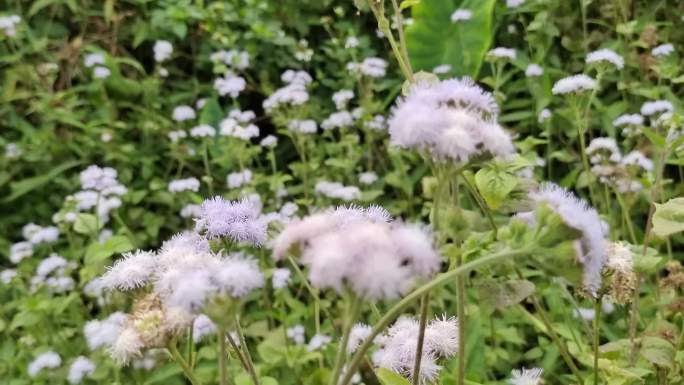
{"x":162,"y":50}
{"x":534,"y":70}
{"x":47,"y":360}
{"x":526,"y":376}
{"x":606,"y":55}
{"x":182,"y":113}
{"x":461,"y":15}
{"x":574,"y":84}
{"x":237,"y":220}
{"x":662,"y":50}
{"x":656,"y":107}
{"x":187,"y":184}
{"x":79,"y":369}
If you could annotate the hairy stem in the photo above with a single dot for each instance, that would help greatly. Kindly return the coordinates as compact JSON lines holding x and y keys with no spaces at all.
{"x":223,"y":372}
{"x":178,"y":358}
{"x":248,"y":357}
{"x":424,"y":307}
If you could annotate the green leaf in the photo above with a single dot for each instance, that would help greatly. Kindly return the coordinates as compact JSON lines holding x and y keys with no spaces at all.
{"x":500,"y":295}
{"x":97,"y":251}
{"x":434,"y":39}
{"x":87,"y":224}
{"x":388,"y":377}
{"x":27,"y":185}
{"x":495,"y":185}
{"x":669,"y":217}
{"x":658,"y":351}
{"x":211,"y":113}
{"x":408,"y":4}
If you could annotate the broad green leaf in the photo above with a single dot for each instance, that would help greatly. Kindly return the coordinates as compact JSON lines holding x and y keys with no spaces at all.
{"x":658,"y":351}
{"x":211,"y":113}
{"x":500,"y":295}
{"x":87,"y":224}
{"x":669,"y":217}
{"x":434,"y":39}
{"x":115,"y":245}
{"x":495,"y":185}
{"x":27,"y":185}
{"x":388,"y":377}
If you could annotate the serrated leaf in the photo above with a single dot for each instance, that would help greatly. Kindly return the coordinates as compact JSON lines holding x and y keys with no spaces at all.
{"x":388,"y":377}
{"x":495,"y":185}
{"x":433,"y":39}
{"x":87,"y":224}
{"x":668,"y":218}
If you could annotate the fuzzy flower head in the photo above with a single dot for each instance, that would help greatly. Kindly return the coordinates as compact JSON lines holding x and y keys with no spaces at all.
{"x":79,"y":369}
{"x":619,"y":269}
{"x":230,"y":84}
{"x":336,"y":190}
{"x":237,"y":220}
{"x":182,"y":113}
{"x":578,"y":215}
{"x":47,"y":360}
{"x":526,"y":376}
{"x":629,"y":124}
{"x":501,"y":53}
{"x":188,"y":184}
{"x":534,"y":70}
{"x":662,"y":50}
{"x":461,"y":15}
{"x":606,"y":55}
{"x":134,"y":270}
{"x":162,"y":50}
{"x":656,"y":107}
{"x":303,"y":126}
{"x":452,"y":120}
{"x":574,"y":84}
{"x":360,"y":249}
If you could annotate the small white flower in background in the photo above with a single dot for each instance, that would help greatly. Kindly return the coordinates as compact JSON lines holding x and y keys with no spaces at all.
{"x":296,"y":334}
{"x":317,"y":342}
{"x":629,"y":123}
{"x":351,"y":42}
{"x":303,"y":126}
{"x":636,"y":158}
{"x":397,"y":350}
{"x":94,"y":59}
{"x":7,"y":275}
{"x":293,"y":94}
{"x":230,"y":84}
{"x":132,"y":271}
{"x":289,"y":209}
{"x":577,"y":214}
{"x":338,"y":119}
{"x":47,"y":360}
{"x":606,"y":55}
{"x":574,"y":84}
{"x":101,"y":179}
{"x":461,"y":15}
{"x":296,"y":77}
{"x":231,"y":127}
{"x":238,"y":220}
{"x":49,"y":234}
{"x":183,"y":113}
{"x":585,"y":313}
{"x":373,"y":67}
{"x":269,"y":141}
{"x":188,"y":184}
{"x":337,"y":190}
{"x":526,"y":376}
{"x":8,"y":24}
{"x":357,"y":335}
{"x":368,"y":177}
{"x":163,"y":72}
{"x":342,"y":97}
{"x":79,"y":369}
{"x":239,"y":178}
{"x":242,"y":116}
{"x":103,"y":333}
{"x":174,"y":136}
{"x":127,"y":346}
{"x":105,"y":234}
{"x":51,"y":264}
{"x":512,"y":29}
{"x":199,"y":104}
{"x":147,"y":362}
{"x":203,"y":131}
{"x":280,"y":278}
{"x":19,"y":251}
{"x":601,"y":149}
{"x":502,"y":53}
{"x":656,"y":107}
{"x":662,"y":50}
{"x":534,"y":70}
{"x":12,"y":151}
{"x":378,"y":123}
{"x":232,"y":58}
{"x":442,"y":69}
{"x":191,"y":211}
{"x":202,"y":327}
{"x":514,"y":3}
{"x":162,"y":50}
{"x":544,"y":115}
{"x":303,"y":52}
{"x":101,"y":72}
{"x":106,"y":137}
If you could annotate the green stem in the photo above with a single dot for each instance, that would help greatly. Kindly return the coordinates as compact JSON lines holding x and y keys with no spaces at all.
{"x":248,"y":357}
{"x":460,"y":313}
{"x":207,"y":169}
{"x":597,"y":324}
{"x":223,"y":372}
{"x":482,"y":204}
{"x":352,"y":313}
{"x":236,"y":348}
{"x":178,"y":358}
{"x":424,"y":307}
{"x":438,"y":281}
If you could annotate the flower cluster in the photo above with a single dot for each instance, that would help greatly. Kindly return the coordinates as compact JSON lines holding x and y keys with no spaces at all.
{"x":608,"y":164}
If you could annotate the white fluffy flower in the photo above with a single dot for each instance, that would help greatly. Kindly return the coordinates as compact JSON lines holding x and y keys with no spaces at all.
{"x":269,"y":141}
{"x":317,"y":342}
{"x":573,"y":84}
{"x":51,"y":264}
{"x":12,"y":151}
{"x":526,"y":376}
{"x":183,"y":113}
{"x":162,"y":50}
{"x":104,"y":333}
{"x":636,"y":158}
{"x":191,"y":211}
{"x":461,"y":15}
{"x":368,"y":177}
{"x":296,"y":77}
{"x":7,"y":275}
{"x":19,"y":251}
{"x":296,"y":334}
{"x":8,"y":24}
{"x":577,"y":214}
{"x":187,"y":184}
{"x":338,"y":119}
{"x":231,"y":127}
{"x":233,"y":58}
{"x":373,"y":67}
{"x":132,"y":271}
{"x":514,"y":3}
{"x":80,"y":368}
{"x":49,"y":234}
{"x":544,"y":115}
{"x":230,"y":84}
{"x":502,"y":53}
{"x":342,"y":97}
{"x":534,"y":70}
{"x":203,"y":131}
{"x":601,"y":149}
{"x":442,"y":69}
{"x":337,"y":246}
{"x":101,"y":72}
{"x":606,"y":55}
{"x":174,"y":136}
{"x":238,"y":220}
{"x":292,"y":94}
{"x":628,"y":119}
{"x":280,"y":278}
{"x":662,"y":50}
{"x":351,"y":42}
{"x":93,"y":59}
{"x":656,"y":107}
{"x":127,"y":346}
{"x":202,"y":327}
{"x":239,"y":179}
{"x":238,"y":275}
{"x":451,"y":120}
{"x":337,"y":190}
{"x":357,"y":335}
{"x":303,"y":126}
{"x":47,"y":360}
